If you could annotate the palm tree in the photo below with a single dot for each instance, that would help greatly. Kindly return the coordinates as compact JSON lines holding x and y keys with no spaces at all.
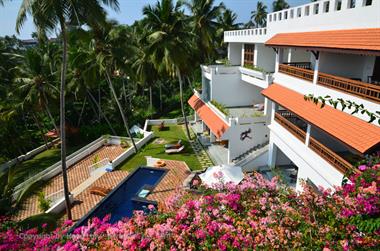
{"x":204,"y":25}
{"x":260,"y":15}
{"x":112,"y":50}
{"x":170,"y":43}
{"x":47,"y":16}
{"x":278,"y":5}
{"x":36,"y":82}
{"x":226,"y":21}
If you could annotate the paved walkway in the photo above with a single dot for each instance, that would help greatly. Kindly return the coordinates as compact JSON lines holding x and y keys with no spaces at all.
{"x":172,"y":181}
{"x":199,"y":151}
{"x":77,"y":173}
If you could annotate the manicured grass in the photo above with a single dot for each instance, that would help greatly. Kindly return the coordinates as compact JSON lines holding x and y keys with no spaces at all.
{"x":40,"y":162}
{"x":170,"y":135}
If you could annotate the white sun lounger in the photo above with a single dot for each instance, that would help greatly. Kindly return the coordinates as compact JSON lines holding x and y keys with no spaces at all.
{"x":169,"y":151}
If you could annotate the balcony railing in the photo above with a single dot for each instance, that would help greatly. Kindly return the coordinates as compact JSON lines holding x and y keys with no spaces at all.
{"x":368,"y":91}
{"x":295,"y":130}
{"x":334,"y":159}
{"x":297,"y":72}
{"x":303,"y":65}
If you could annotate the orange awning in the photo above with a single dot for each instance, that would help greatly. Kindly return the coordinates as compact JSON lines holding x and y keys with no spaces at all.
{"x":352,"y":131}
{"x":216,"y":124}
{"x":362,"y":40}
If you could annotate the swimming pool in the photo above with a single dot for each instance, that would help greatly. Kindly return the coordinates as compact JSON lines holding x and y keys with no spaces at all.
{"x":123,"y":200}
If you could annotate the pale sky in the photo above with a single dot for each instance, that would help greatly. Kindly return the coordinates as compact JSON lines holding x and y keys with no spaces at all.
{"x":130,"y":10}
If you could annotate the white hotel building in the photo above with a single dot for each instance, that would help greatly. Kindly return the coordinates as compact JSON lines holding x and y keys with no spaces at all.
{"x":328,"y":47}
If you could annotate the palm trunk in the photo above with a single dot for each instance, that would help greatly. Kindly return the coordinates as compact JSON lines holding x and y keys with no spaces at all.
{"x":40,"y":129}
{"x":81,"y":112}
{"x":182,"y":105}
{"x":150,"y":98}
{"x":62,"y":119}
{"x":160,"y":97}
{"x":49,"y":113}
{"x":101,"y":112}
{"x":120,"y":109}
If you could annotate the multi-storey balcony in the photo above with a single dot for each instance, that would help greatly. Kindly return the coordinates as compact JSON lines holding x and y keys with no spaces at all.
{"x":297,"y":127}
{"x":351,"y":86}
{"x":256,"y":76}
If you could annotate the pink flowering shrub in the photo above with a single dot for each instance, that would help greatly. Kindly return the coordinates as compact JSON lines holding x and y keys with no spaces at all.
{"x":256,"y":214}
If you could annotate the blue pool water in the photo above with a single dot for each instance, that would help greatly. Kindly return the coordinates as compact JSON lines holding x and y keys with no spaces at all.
{"x":123,"y":200}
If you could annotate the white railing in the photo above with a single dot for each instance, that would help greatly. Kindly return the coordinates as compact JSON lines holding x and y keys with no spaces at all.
{"x":54,"y":197}
{"x":98,"y":165}
{"x":246,"y":32}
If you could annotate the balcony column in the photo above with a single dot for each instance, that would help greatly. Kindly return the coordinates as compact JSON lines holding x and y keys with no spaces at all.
{"x":274,"y":109}
{"x":229,"y":51}
{"x":279,"y":52}
{"x":212,"y":138}
{"x":316,"y":67}
{"x":242,"y":55}
{"x":307,"y":138}
{"x":272,"y":155}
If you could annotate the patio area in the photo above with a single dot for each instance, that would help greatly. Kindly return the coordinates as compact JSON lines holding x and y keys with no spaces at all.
{"x":246,"y":112}
{"x":77,"y":174}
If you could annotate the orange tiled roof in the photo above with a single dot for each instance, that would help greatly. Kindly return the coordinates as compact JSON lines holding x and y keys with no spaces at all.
{"x":356,"y":39}
{"x":212,"y":120}
{"x":356,"y":133}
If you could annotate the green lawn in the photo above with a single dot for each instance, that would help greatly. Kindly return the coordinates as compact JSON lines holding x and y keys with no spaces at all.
{"x":172,"y":134}
{"x":40,"y":162}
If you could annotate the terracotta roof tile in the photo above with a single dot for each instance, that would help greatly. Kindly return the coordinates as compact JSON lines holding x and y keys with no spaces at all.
{"x":356,"y":133}
{"x":212,"y":120}
{"x":355,"y":39}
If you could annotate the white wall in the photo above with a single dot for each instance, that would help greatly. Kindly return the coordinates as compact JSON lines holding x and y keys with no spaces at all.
{"x":266,"y":57}
{"x":230,"y":91}
{"x":310,"y":164}
{"x":347,"y":65}
{"x":358,"y":17}
{"x":259,"y":135}
{"x":234,"y":53}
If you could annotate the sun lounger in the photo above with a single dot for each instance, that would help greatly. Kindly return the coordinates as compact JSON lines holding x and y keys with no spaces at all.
{"x":178,"y":150}
{"x":176,"y":146}
{"x":102,"y":191}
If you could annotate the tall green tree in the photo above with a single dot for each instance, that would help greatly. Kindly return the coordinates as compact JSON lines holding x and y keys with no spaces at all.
{"x":48,"y":15}
{"x":259,"y":16}
{"x":204,"y":15}
{"x":278,"y":5}
{"x":170,"y":43}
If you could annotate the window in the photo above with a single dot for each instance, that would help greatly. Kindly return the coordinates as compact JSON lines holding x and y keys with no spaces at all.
{"x":285,"y":15}
{"x":270,"y":18}
{"x":326,"y":7}
{"x":274,"y":17}
{"x":291,"y":13}
{"x":307,"y":10}
{"x":316,"y":9}
{"x":249,"y":52}
{"x":279,"y":16}
{"x":351,"y":4}
{"x":338,"y":5}
{"x":367,"y":2}
{"x":299,"y":12}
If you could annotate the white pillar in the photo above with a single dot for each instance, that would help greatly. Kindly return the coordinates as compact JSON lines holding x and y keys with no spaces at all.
{"x":255,"y":55}
{"x":272,"y":154}
{"x":289,"y":55}
{"x":212,"y":137}
{"x":229,"y":51}
{"x":308,"y":129}
{"x":277,"y":61}
{"x":242,"y":55}
{"x":266,"y":106}
{"x":274,"y":108}
{"x":316,"y":71}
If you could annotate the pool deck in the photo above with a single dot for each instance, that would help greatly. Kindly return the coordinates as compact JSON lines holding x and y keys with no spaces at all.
{"x":172,"y":181}
{"x":77,"y":174}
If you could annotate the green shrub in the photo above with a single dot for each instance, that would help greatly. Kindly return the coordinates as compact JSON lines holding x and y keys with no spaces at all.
{"x":44,"y":222}
{"x":220,"y":107}
{"x":43,"y":203}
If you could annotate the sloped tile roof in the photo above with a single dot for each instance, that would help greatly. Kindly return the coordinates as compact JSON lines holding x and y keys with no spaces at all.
{"x":216,"y":124}
{"x":354,"y":132}
{"x":355,"y":39}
